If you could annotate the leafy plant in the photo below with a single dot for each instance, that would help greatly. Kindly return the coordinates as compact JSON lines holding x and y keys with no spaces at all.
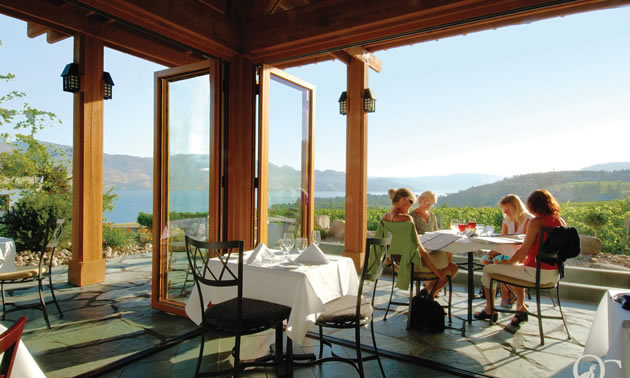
{"x":595,"y":219}
{"x":145,"y":219}
{"x":117,"y":237}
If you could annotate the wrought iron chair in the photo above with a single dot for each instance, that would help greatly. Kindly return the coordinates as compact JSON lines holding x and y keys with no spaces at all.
{"x":36,"y":273}
{"x":211,"y":265}
{"x":9,"y":344}
{"x":353,"y":311}
{"x":404,"y":242}
{"x":537,"y":286}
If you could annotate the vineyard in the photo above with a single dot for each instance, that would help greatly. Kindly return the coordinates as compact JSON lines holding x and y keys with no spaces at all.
{"x":611,"y":225}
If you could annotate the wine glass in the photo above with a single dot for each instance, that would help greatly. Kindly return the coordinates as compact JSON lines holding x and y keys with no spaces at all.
{"x":454,"y":223}
{"x":480,"y":229}
{"x":288,"y":241}
{"x":301,"y":244}
{"x":461,"y":225}
{"x":472,"y":223}
{"x":317,"y":237}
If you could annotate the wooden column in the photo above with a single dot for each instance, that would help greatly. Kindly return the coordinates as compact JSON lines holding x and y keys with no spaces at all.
{"x":87,"y":265}
{"x":240,"y":152}
{"x":356,"y":164}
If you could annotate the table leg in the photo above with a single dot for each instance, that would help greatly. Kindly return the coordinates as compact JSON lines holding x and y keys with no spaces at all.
{"x":471,"y":285}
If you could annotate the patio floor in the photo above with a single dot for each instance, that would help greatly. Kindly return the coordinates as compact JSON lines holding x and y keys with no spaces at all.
{"x":106,"y":322}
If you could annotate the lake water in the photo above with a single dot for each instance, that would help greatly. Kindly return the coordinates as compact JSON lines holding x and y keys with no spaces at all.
{"x":131,"y":202}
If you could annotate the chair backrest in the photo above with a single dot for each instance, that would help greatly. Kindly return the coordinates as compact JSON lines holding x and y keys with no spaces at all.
{"x":50,"y":242}
{"x":212,"y":264}
{"x":9,"y":343}
{"x":56,"y":235}
{"x":376,"y":252}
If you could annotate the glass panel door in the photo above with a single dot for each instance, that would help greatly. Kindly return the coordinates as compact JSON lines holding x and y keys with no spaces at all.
{"x":285,"y":156}
{"x":184,"y":198}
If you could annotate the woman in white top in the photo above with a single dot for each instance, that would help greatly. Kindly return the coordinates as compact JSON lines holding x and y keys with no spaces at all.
{"x":515,"y":221}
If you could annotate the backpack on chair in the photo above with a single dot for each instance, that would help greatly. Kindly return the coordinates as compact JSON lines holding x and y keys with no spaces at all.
{"x":426,"y":313}
{"x":562,"y":243}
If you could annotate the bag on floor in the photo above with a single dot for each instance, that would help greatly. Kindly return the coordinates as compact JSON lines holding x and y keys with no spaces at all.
{"x":426,"y":314}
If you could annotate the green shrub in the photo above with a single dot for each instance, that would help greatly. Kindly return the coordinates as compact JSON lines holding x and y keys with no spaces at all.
{"x":145,"y":219}
{"x":116,"y":237}
{"x":33,"y":218}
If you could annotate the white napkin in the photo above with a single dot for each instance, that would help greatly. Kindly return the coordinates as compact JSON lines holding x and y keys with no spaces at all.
{"x":312,"y":255}
{"x":261,"y":254}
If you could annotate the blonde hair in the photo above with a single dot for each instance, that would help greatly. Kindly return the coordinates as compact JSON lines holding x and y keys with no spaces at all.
{"x":428,"y":194}
{"x":396,"y":195}
{"x":517,"y":205}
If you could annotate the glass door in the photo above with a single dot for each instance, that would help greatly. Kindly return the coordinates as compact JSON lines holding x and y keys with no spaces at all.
{"x":186,"y":171}
{"x":285,"y":156}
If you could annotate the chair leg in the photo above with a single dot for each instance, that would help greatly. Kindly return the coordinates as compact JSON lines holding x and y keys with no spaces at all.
{"x":491,"y":301}
{"x":378,"y":358}
{"x":561,"y":313}
{"x":539,"y":316}
{"x":52,"y":292}
{"x":203,"y":339}
{"x":391,"y":295}
{"x":237,"y":356}
{"x":450,"y":298}
{"x":321,"y":342}
{"x":4,"y":310}
{"x":43,"y":302}
{"x":357,"y":346}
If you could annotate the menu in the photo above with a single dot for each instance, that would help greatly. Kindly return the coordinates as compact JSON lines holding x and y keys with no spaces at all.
{"x":437,"y":241}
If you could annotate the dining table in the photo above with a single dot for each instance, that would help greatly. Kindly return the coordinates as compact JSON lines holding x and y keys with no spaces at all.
{"x":7,"y":255}
{"x":504,"y":244}
{"x":303,"y":287}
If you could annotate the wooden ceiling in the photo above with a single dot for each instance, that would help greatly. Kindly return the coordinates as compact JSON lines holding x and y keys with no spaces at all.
{"x":283,"y":32}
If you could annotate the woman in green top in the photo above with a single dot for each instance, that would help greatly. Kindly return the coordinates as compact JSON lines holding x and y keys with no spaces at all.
{"x":436,"y":262}
{"x":423,"y":218}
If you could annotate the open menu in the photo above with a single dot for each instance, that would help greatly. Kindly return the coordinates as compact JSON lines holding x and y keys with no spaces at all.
{"x":437,"y":241}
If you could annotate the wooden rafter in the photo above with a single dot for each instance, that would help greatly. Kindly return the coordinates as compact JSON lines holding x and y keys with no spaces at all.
{"x":338,"y":24}
{"x":115,"y":35}
{"x":363,"y":55}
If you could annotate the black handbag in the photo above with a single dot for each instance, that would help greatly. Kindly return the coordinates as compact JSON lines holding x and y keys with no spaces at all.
{"x":426,"y":314}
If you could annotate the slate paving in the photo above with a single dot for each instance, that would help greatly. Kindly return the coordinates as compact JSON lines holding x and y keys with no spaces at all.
{"x":106,"y":322}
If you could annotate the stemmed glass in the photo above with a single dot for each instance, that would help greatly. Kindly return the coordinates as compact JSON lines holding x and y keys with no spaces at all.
{"x":301,"y":244}
{"x":288,"y":241}
{"x":454,"y":223}
{"x":461,"y":225}
{"x":472,"y":223}
{"x":317,"y":237}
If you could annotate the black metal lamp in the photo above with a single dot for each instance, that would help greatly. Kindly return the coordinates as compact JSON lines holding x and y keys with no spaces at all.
{"x":71,"y":78}
{"x":108,"y":84}
{"x":343,"y":103}
{"x":369,"y":101}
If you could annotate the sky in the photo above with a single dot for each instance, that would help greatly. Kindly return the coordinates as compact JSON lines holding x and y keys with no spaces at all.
{"x":548,"y":95}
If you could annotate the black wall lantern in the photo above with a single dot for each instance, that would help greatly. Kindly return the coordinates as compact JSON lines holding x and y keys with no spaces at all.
{"x":369,"y":101}
{"x":108,"y":84}
{"x":343,"y":103}
{"x":71,"y":78}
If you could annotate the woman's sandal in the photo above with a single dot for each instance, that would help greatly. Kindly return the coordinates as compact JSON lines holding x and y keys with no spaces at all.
{"x":508,"y":302}
{"x":482,"y":315}
{"x":518,"y":318}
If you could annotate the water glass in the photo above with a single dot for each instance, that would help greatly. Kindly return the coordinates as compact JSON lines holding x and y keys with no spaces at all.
{"x":454,"y":223}
{"x":489,"y":229}
{"x":288,"y":241}
{"x":317,"y":237}
{"x":480,"y":229}
{"x":301,"y":244}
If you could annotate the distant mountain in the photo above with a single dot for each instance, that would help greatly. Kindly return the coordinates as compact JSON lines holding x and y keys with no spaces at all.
{"x":574,"y":186}
{"x":617,"y":166}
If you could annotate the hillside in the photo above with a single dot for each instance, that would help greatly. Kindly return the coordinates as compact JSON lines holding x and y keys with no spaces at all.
{"x":574,"y":186}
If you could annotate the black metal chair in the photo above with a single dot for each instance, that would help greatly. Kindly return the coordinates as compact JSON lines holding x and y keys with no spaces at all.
{"x":537,"y":286}
{"x":211,"y":265}
{"x":353,"y":311}
{"x":36,"y":273}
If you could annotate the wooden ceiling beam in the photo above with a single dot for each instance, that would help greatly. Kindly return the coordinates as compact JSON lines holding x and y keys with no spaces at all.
{"x":53,"y":36}
{"x":189,"y":22}
{"x":327,"y":25}
{"x":361,"y":54}
{"x":35,"y":30}
{"x":262,"y":8}
{"x":116,"y":36}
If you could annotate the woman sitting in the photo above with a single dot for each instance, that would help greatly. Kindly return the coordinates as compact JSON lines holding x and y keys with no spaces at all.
{"x":515,"y":221}
{"x":423,"y":218}
{"x":436,"y":262}
{"x":523,"y":264}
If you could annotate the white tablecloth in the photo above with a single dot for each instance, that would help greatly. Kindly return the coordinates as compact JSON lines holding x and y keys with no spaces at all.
{"x":7,"y":255}
{"x":305,"y":289}
{"x":464,"y":245}
{"x":24,"y":365}
{"x":607,"y":339}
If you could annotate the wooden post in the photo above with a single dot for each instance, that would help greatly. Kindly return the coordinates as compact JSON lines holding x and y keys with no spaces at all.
{"x":240,"y":161}
{"x":356,"y":164}
{"x":87,"y":265}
